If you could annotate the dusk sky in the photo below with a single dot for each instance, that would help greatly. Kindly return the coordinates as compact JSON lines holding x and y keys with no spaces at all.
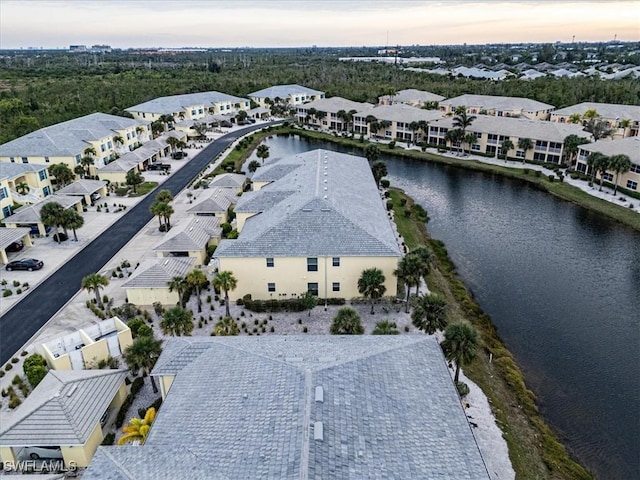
{"x":284,"y":23}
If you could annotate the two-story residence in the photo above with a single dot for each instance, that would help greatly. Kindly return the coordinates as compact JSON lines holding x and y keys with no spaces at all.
{"x":629,"y":146}
{"x":290,"y":94}
{"x":100,"y":136}
{"x":327,"y":113}
{"x":189,"y":106}
{"x":547,"y":138}
{"x":22,"y":183}
{"x":623,"y":119}
{"x":499,"y":106}
{"x":314,"y":225}
{"x":403,"y":122}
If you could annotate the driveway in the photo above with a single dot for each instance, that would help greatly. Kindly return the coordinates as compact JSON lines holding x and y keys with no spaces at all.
{"x":20,"y":323}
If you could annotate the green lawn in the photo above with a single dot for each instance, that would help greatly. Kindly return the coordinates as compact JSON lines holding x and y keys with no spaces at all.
{"x":143,"y":189}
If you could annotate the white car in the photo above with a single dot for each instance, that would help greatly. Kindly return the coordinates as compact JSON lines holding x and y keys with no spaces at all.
{"x":35,"y":453}
{"x":95,"y":196}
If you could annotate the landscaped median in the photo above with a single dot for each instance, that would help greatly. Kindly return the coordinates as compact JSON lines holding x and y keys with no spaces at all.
{"x":534,"y":450}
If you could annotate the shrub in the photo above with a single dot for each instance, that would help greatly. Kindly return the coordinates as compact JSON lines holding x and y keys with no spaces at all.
{"x":385,"y":183}
{"x":145,"y":331}
{"x":134,"y":325}
{"x":16,"y":283}
{"x":392,"y":144}
{"x":463,"y":389}
{"x":17,"y":380}
{"x":551,"y":178}
{"x":305,"y":330}
{"x":14,"y":360}
{"x":538,"y":173}
{"x":14,"y":402}
{"x":7,"y":293}
{"x":346,"y":322}
{"x":158,"y":308}
{"x":403,"y":202}
{"x":8,"y":367}
{"x":389,"y":205}
{"x":109,"y":439}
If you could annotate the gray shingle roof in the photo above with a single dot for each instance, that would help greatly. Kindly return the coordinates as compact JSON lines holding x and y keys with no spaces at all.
{"x":497,"y":102}
{"x":413,"y":95}
{"x":67,"y":138}
{"x":260,"y":200}
{"x":335,"y":104}
{"x":400,"y":113}
{"x":10,"y":235}
{"x":82,"y":187}
{"x":177,"y":103}
{"x":518,"y":127}
{"x":63,"y":409}
{"x":254,"y":418}
{"x":336,"y":210}
{"x":283,"y":91}
{"x":156,"y":272}
{"x":228,"y":180}
{"x":607,"y":110}
{"x":12,"y":170}
{"x":214,"y":200}
{"x":31,"y":213}
{"x":629,"y":146}
{"x":189,"y":236}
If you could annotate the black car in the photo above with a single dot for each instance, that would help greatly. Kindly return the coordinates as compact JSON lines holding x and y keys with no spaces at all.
{"x":25,"y":264}
{"x":178,"y":155}
{"x":15,"y":247}
{"x":159,"y":166}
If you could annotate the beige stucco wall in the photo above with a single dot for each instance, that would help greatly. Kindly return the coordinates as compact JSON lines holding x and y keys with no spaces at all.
{"x":94,"y":352}
{"x":7,"y":455}
{"x":119,"y":397}
{"x":113,"y":177}
{"x":165,"y":384}
{"x":147,"y":296}
{"x":81,"y":455}
{"x":63,"y":362}
{"x":291,"y":276}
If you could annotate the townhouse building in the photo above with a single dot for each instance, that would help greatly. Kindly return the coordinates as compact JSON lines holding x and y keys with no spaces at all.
{"x":22,"y":183}
{"x":411,"y":96}
{"x":316,"y":222}
{"x":329,"y":113}
{"x":189,"y":106}
{"x":286,"y":94}
{"x":517,"y":107}
{"x":629,"y":146}
{"x":547,"y":138}
{"x":623,"y":119}
{"x":100,"y":136}
{"x":397,"y":121}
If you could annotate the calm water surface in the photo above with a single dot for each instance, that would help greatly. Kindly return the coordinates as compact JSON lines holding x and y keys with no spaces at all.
{"x":561,"y":284}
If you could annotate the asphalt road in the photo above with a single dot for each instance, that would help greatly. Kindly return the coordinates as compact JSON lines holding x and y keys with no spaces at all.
{"x":20,"y":323}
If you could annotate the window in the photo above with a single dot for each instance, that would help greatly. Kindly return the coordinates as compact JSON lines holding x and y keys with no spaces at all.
{"x":635,"y":168}
{"x":312,"y":264}
{"x":13,"y":160}
{"x":42,"y":174}
{"x":193,"y":112}
{"x":77,"y":158}
{"x":335,"y":286}
{"x":540,"y":157}
{"x":271,"y":287}
{"x":631,"y":185}
{"x":312,"y":288}
{"x":336,"y":261}
{"x":607,"y":177}
{"x":109,"y":144}
{"x":46,"y":159}
{"x":144,"y":115}
{"x":25,"y":160}
{"x":103,"y":148}
{"x":475,"y":147}
{"x":581,"y":167}
{"x":520,"y":154}
{"x":3,"y":193}
{"x":269,"y":262}
{"x":46,"y":191}
{"x":200,"y":111}
{"x":6,"y":211}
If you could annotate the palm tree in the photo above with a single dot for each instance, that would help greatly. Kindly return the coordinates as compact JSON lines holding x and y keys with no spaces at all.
{"x":177,"y":321}
{"x":454,"y":136}
{"x":469,"y":138}
{"x":262,"y":152}
{"x":385,"y":327}
{"x":86,"y":162}
{"x":625,"y":125}
{"x":594,"y":161}
{"x":620,"y":163}
{"x":371,"y":152}
{"x":414,"y":127}
{"x":22,"y":188}
{"x":142,"y":354}
{"x":173,"y":143}
{"x":379,"y":170}
{"x":384,"y":124}
{"x":423,"y":126}
{"x":371,"y":285}
{"x":79,"y":170}
{"x":575,"y":118}
{"x":225,"y":281}
{"x":427,"y":259}
{"x":525,"y":144}
{"x":138,"y":428}
{"x":571,"y":144}
{"x":62,"y":173}
{"x":409,"y":271}
{"x":118,"y":140}
{"x":346,"y":322}
{"x":460,"y":345}
{"x":253,"y":165}
{"x":226,"y":327}
{"x":94,"y":282}
{"x":462,"y":120}
{"x":197,"y":280}
{"x":342,"y":116}
{"x":179,"y":285}
{"x":73,"y":220}
{"x":506,"y":146}
{"x":598,"y":128}
{"x":52,"y":213}
{"x":134,"y":179}
{"x":164,"y":196}
{"x":90,"y":152}
{"x":374,"y":127}
{"x":166,"y":211}
{"x":156,"y":209}
{"x":429,"y":313}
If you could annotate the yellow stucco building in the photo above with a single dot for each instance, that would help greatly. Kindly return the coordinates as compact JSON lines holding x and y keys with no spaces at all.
{"x":315,"y":224}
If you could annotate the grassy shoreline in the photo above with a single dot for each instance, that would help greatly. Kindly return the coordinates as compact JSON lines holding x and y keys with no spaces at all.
{"x":534,"y":450}
{"x":556,"y":188}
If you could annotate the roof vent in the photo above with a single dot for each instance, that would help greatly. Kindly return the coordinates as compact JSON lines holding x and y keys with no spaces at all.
{"x":318,"y":431}
{"x":319,"y":394}
{"x":325,"y":189}
{"x":72,"y":390}
{"x":325,"y":197}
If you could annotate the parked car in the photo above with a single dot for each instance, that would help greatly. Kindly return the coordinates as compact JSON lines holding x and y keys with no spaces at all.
{"x":159,"y":166}
{"x":15,"y":247}
{"x":29,"y":264}
{"x":178,"y":155}
{"x":33,"y":229}
{"x":41,"y":452}
{"x":251,"y":120}
{"x":95,"y":196}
